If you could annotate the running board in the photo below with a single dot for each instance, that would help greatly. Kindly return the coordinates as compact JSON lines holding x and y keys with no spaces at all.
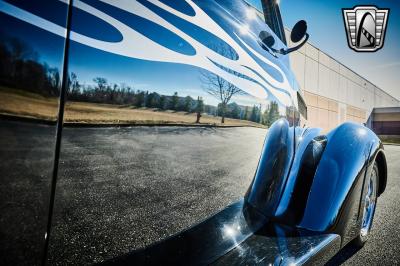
{"x":266,"y":250}
{"x":239,"y":234}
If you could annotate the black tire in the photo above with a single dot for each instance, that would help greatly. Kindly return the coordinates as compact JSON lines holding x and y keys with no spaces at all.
{"x":365,"y":227}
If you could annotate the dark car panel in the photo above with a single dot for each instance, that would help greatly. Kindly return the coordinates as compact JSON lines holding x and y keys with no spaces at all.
{"x":31,"y":61}
{"x":123,"y":188}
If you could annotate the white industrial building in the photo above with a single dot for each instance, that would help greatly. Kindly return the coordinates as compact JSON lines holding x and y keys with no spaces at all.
{"x":333,"y":92}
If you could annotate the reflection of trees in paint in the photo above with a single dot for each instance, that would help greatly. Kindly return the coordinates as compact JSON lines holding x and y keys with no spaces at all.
{"x":271,"y":114}
{"x":20,"y":69}
{"x":221,"y":90}
{"x":121,"y":94}
{"x":174,"y":102}
{"x":217,"y":86}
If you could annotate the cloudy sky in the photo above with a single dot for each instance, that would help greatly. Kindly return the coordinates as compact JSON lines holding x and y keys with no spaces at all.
{"x":326,"y":28}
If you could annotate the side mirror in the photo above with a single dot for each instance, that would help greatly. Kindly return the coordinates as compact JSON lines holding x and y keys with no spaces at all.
{"x":266,"y":39}
{"x":299,"y":31}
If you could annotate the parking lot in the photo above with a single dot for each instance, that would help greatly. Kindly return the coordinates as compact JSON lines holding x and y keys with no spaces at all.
{"x":383,"y":247}
{"x":122,"y":188}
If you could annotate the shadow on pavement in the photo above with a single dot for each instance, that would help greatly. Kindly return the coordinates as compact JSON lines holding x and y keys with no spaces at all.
{"x":345,"y":253}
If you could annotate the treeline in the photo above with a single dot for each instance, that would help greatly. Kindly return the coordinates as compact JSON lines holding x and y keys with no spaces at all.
{"x":254,"y":114}
{"x":121,"y":94}
{"x":20,"y":69}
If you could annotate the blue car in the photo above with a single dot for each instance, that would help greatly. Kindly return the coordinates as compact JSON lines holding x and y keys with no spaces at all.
{"x":170,"y":133}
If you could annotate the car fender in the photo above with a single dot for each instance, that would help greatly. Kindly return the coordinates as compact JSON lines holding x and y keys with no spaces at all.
{"x":334,"y":201}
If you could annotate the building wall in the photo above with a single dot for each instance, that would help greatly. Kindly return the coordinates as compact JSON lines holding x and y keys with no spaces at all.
{"x":334,"y":93}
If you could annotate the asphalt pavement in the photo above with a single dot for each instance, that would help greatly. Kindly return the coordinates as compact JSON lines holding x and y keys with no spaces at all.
{"x":383,"y":246}
{"x":120,"y":189}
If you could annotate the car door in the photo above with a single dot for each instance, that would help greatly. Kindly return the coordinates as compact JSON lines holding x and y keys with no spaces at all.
{"x":165,"y":117}
{"x":144,"y":152}
{"x":31,"y":63}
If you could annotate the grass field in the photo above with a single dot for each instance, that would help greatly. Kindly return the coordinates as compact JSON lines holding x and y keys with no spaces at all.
{"x":25,"y":104}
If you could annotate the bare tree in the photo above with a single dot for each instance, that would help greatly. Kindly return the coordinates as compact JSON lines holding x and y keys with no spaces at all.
{"x":217,"y":86}
{"x":101,"y":83}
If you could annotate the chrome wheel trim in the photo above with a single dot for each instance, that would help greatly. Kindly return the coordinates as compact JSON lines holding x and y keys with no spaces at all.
{"x":369,"y":204}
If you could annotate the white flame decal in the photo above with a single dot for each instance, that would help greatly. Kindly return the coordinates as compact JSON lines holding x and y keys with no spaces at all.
{"x":136,"y":45}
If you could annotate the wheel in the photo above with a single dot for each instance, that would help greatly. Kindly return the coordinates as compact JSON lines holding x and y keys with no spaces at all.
{"x":370,"y":199}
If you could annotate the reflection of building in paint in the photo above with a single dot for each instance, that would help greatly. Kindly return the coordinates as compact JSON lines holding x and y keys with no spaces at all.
{"x":334,"y":93}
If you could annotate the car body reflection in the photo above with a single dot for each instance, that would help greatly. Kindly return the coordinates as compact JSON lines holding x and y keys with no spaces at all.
{"x":30,"y":81}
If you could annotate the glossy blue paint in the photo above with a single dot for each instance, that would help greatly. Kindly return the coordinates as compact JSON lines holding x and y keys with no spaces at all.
{"x":334,"y":184}
{"x":342,"y":164}
{"x":349,"y":150}
{"x":303,"y":137}
{"x":273,"y":168}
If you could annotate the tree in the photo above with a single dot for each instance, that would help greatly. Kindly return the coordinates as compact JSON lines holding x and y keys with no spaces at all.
{"x":113,"y":93}
{"x":152,"y":100}
{"x":54,"y":78}
{"x":101,"y":83}
{"x":217,"y":86}
{"x":254,"y":113}
{"x":235,"y":111}
{"x":74,"y":86}
{"x":273,"y":114}
{"x":265,"y":116}
{"x":139,"y":99}
{"x":187,"y":105}
{"x":162,"y":102}
{"x":174,"y":102}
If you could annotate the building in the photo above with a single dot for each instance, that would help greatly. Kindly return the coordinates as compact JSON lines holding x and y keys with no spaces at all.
{"x":334,"y":93}
{"x":385,"y":121}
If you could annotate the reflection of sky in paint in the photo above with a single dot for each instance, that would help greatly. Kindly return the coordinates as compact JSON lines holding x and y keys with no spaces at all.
{"x":48,"y":47}
{"x":140,"y":75}
{"x":256,"y":3}
{"x":164,"y":78}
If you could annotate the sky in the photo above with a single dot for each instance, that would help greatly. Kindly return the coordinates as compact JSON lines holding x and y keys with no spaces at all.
{"x":326,"y":29}
{"x":154,"y":69}
{"x":325,"y":23}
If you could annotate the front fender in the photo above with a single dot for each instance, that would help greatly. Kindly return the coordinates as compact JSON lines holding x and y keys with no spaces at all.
{"x":270,"y":178}
{"x":334,"y":201}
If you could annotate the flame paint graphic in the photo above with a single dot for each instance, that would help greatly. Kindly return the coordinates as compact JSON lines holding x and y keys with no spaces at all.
{"x":135,"y":45}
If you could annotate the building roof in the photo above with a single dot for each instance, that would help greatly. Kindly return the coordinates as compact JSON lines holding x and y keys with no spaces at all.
{"x":383,"y":110}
